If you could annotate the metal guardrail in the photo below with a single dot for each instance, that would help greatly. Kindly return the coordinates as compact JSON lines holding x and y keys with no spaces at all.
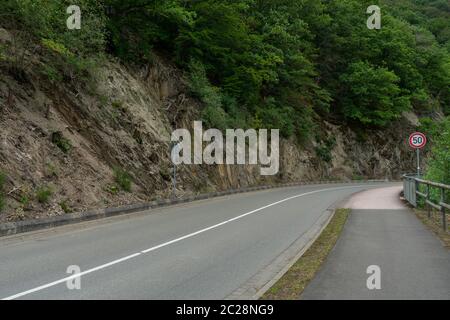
{"x":411,"y":191}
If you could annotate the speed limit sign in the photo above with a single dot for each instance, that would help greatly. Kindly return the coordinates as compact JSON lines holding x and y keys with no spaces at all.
{"x":417,"y":140}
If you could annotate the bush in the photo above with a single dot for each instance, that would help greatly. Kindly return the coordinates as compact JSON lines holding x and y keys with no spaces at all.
{"x":323,"y":150}
{"x":61,"y":142}
{"x":438,"y":167}
{"x":123,"y":179}
{"x":215,"y":117}
{"x":66,"y":208}
{"x":24,"y":200}
{"x":274,"y":116}
{"x":438,"y":163}
{"x":52,"y":74}
{"x":43,"y":194}
{"x":165,"y":173}
{"x":213,"y":113}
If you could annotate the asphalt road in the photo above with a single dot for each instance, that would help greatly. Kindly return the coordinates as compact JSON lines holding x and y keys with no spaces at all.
{"x":201,"y":250}
{"x":381,"y":231}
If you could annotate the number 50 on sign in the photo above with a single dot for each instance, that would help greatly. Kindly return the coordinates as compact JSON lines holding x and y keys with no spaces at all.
{"x":417,"y":140}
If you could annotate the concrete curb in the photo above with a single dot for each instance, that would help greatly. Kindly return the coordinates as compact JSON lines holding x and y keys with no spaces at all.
{"x":262,"y":281}
{"x":265,"y":278}
{"x":11,"y":228}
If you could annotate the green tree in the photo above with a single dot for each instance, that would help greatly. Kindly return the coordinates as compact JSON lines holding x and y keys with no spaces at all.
{"x":137,"y":27}
{"x":372,"y":95}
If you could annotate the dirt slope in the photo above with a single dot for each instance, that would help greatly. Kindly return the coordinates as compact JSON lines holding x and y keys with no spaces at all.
{"x":68,"y":140}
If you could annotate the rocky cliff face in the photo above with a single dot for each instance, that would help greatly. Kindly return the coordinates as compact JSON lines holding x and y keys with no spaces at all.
{"x":63,"y":144}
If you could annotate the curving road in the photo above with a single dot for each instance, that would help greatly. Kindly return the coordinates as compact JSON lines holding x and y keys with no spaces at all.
{"x":211,"y":249}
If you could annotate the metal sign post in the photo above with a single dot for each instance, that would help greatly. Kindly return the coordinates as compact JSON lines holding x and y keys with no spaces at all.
{"x":174,"y":180}
{"x":417,"y":140}
{"x":176,"y":147}
{"x":418,"y":161}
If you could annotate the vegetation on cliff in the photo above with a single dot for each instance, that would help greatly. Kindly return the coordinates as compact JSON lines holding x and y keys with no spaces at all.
{"x":274,"y":63}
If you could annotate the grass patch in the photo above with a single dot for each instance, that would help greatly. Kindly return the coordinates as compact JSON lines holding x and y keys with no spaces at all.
{"x":293,"y":282}
{"x":123,"y":179}
{"x":66,"y":208}
{"x":24,"y":200}
{"x":435,"y":225}
{"x":43,"y":194}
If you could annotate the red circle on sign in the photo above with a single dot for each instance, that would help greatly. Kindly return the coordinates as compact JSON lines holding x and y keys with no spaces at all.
{"x":417,"y":140}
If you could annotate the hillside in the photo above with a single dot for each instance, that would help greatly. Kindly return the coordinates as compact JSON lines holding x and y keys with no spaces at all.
{"x":86,"y":117}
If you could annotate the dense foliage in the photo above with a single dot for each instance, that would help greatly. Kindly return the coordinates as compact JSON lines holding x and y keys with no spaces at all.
{"x":267,"y":63}
{"x":438,"y":166}
{"x":270,"y":63}
{"x":276,"y":63}
{"x":47,"y":20}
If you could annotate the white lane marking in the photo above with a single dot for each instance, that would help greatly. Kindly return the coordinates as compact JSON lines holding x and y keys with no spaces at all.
{"x":54,"y":283}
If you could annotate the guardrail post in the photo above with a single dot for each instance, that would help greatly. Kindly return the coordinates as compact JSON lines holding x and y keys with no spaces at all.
{"x":405,"y":189}
{"x":428,"y":199}
{"x":444,"y":218}
{"x":416,"y":188}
